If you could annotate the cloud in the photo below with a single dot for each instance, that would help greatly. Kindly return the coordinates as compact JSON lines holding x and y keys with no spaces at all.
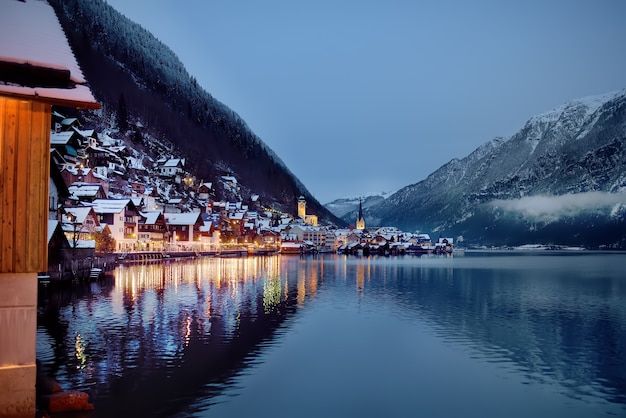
{"x":551,"y":208}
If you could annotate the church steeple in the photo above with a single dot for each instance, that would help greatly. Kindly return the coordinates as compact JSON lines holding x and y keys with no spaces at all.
{"x":360,"y":221}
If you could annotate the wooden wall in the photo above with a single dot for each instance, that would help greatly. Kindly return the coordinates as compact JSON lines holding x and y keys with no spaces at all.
{"x":24,"y":183}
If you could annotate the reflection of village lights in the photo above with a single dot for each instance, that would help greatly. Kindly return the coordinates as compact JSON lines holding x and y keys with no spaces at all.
{"x":188,"y":331}
{"x":79,"y":344}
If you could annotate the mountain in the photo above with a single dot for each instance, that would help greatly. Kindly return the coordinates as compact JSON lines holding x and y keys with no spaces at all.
{"x":561,"y":179}
{"x":140,"y":82}
{"x":340,"y":207}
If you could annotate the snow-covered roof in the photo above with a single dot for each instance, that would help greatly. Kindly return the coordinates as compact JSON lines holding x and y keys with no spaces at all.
{"x":60,"y":138}
{"x":36,"y":58}
{"x":85,"y":189}
{"x":174,"y":162}
{"x":88,"y":133}
{"x":151,"y":217}
{"x":52,"y":226}
{"x":110,"y":205}
{"x":189,"y":218}
{"x":83,"y":243}
{"x":79,"y":212}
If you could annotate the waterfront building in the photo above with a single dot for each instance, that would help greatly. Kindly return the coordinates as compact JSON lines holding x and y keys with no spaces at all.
{"x":122,"y":217}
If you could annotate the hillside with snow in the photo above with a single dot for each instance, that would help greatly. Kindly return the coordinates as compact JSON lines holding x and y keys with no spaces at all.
{"x":560,"y":179}
{"x":139,"y":81}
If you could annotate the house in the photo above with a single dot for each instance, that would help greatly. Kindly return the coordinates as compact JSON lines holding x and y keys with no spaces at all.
{"x":209,"y":235}
{"x":86,"y":217}
{"x":59,"y":255}
{"x":36,"y":72}
{"x":121,"y":216}
{"x":67,"y":143}
{"x":100,"y":156}
{"x":205,"y":190}
{"x":87,"y":192}
{"x":184,"y":229}
{"x":153,"y":232}
{"x":313,"y":236}
{"x":78,"y":174}
{"x":173,"y":168}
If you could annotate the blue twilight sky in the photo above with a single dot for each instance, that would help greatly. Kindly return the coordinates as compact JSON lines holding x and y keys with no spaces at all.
{"x":360,"y":96}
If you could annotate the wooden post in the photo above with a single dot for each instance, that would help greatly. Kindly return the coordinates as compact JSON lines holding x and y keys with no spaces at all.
{"x":24,"y":183}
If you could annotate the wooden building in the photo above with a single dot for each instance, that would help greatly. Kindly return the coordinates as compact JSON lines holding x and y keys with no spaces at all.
{"x":37,"y":70}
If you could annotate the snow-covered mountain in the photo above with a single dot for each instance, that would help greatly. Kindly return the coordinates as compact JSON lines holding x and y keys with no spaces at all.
{"x":560,"y":179}
{"x":339,"y":207}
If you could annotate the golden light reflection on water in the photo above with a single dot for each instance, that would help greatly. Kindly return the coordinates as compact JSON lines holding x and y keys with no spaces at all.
{"x":80,"y":354}
{"x":226,"y":285}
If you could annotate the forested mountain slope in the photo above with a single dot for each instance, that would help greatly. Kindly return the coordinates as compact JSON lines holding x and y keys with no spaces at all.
{"x":136,"y":78}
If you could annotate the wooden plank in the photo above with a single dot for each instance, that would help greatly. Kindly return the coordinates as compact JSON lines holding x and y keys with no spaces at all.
{"x":9,"y":137}
{"x":22,"y":191}
{"x":40,"y":179}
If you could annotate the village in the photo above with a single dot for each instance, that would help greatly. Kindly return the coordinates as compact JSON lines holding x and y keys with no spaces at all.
{"x":110,"y":202}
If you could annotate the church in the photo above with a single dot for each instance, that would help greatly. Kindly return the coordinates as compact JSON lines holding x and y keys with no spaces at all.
{"x":308,"y":219}
{"x":360,"y":221}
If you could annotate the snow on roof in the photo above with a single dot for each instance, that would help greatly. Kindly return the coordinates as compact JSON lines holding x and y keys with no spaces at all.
{"x":34,"y":44}
{"x":189,"y":218}
{"x":151,"y":217}
{"x":83,"y":243}
{"x":52,"y":226}
{"x":79,"y":212}
{"x":60,"y":138}
{"x":174,"y":162}
{"x":88,"y":133}
{"x":110,"y":205}
{"x":85,"y":189}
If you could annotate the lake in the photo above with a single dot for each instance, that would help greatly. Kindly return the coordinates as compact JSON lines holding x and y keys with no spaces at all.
{"x":481,"y":335}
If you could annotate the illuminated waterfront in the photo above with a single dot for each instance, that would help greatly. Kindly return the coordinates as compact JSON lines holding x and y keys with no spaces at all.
{"x":480,"y":335}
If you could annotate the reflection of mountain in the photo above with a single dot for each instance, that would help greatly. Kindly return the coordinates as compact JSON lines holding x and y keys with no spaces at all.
{"x":553,"y":320}
{"x":171,"y":332}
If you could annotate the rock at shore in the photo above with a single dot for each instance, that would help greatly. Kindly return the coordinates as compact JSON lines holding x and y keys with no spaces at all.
{"x":67,"y":401}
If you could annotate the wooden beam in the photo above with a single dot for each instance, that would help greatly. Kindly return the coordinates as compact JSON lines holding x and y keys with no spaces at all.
{"x":24,"y":185}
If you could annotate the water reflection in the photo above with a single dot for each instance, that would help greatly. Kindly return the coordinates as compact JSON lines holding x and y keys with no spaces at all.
{"x":165,"y":331}
{"x":162,"y":337}
{"x":558,"y":318}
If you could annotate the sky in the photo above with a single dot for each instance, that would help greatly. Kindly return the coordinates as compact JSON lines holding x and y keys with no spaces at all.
{"x":361,"y":96}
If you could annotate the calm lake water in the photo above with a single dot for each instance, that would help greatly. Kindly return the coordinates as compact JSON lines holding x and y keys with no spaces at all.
{"x":482,"y":335}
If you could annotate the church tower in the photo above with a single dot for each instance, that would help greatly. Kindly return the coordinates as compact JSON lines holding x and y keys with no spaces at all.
{"x":360,"y":221}
{"x":301,"y":207}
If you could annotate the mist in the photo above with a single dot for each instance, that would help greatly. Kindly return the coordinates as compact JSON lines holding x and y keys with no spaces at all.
{"x":552,"y":208}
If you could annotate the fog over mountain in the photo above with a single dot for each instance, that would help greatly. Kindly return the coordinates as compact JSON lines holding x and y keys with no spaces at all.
{"x":561,"y":179}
